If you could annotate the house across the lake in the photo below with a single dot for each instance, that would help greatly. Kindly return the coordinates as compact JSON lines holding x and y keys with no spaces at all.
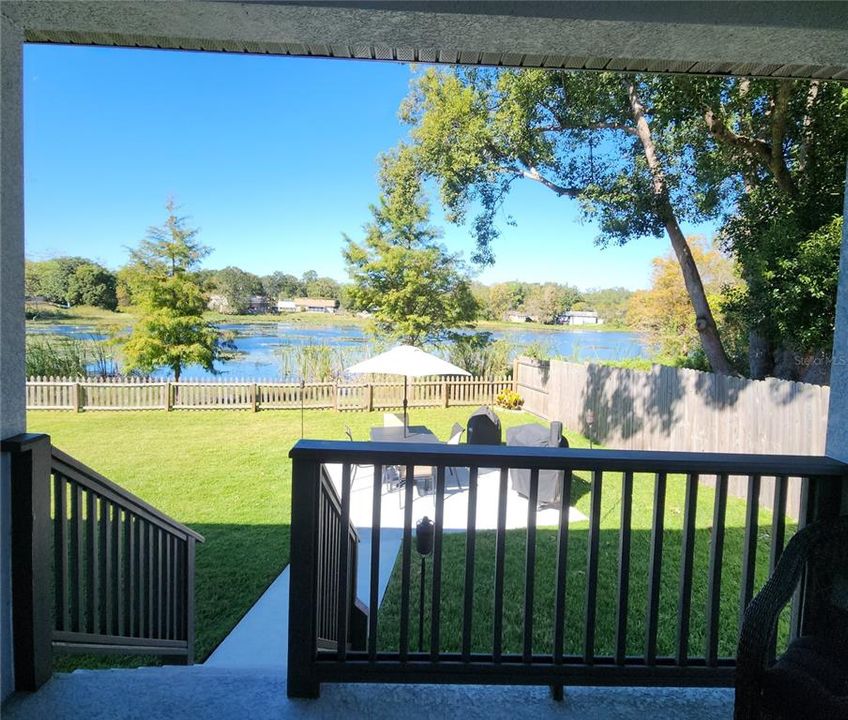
{"x":316,"y":305}
{"x":260,"y":304}
{"x":579,"y":317}
{"x":286,"y":306}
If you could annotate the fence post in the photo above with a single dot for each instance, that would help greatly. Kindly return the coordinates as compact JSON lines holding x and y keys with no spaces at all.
{"x":444,"y":393}
{"x":303,"y":595}
{"x":77,"y":397}
{"x":30,"y":461}
{"x":336,"y":396}
{"x":255,"y":397}
{"x":515,"y":366}
{"x":169,"y":398}
{"x":370,"y":397}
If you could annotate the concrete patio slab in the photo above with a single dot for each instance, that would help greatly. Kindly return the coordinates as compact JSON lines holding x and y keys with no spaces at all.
{"x":456,"y":502}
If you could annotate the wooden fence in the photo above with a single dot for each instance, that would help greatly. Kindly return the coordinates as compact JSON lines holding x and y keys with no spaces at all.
{"x":131,"y":393}
{"x":680,"y":410}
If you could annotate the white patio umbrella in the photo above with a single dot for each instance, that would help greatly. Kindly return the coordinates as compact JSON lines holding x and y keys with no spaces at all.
{"x":408,"y":361}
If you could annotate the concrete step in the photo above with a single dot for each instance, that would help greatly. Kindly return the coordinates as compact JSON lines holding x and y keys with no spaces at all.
{"x":209,"y":693}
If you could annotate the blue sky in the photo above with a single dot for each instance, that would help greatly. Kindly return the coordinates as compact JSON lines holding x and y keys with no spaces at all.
{"x":273,"y":158}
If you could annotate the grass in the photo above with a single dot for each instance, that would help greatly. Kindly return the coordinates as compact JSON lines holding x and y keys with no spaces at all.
{"x":453,"y":575}
{"x":225,"y":474}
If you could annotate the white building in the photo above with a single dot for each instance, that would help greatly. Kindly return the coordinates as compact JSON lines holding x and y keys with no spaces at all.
{"x":580,"y":317}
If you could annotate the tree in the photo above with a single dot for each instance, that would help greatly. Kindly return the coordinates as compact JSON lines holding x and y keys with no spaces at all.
{"x":323,"y":287}
{"x":548,"y":301}
{"x":281,"y":286}
{"x":780,"y":146}
{"x":665,"y":314}
{"x":72,"y":281}
{"x":237,"y":286}
{"x":416,"y":291}
{"x":93,"y":284}
{"x":597,"y":138}
{"x":609,"y":303}
{"x":171,"y":330}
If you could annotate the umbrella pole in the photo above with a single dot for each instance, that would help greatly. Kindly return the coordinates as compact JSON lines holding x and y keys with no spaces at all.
{"x":404,"y":406}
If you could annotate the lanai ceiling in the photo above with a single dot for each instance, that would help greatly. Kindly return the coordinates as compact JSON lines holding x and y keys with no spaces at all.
{"x":772,"y":39}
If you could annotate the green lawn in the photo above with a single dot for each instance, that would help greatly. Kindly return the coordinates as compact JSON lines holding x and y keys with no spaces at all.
{"x":453,"y":578}
{"x":227,"y":475}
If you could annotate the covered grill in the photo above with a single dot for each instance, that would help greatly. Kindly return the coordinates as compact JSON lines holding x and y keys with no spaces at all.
{"x":483,"y":428}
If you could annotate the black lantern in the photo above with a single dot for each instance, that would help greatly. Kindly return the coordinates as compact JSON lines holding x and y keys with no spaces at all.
{"x":425,"y":531}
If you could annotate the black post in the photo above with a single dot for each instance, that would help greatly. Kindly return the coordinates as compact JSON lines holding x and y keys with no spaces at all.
{"x":303,"y":631}
{"x":421,"y":604}
{"x":30,"y":461}
{"x":425,"y":532}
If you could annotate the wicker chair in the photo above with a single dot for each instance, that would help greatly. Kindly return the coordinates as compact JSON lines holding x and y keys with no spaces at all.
{"x":810,"y":680}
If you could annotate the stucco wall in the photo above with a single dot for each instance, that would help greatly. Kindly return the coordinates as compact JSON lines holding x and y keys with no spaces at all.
{"x":837,"y":427}
{"x":12,"y":381}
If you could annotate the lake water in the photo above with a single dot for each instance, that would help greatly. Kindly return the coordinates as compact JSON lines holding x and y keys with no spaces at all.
{"x":261,"y":346}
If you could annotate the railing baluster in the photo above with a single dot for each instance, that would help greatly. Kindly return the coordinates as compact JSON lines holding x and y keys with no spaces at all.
{"x":321,"y":591}
{"x":76,"y":553}
{"x":716,"y":560}
{"x":344,"y":559}
{"x":624,"y":567}
{"x":470,"y":542}
{"x":118,"y":576}
{"x":749,"y":548}
{"x":655,"y":568}
{"x":169,"y":586}
{"x":686,"y":569}
{"x":562,"y":567}
{"x":374,"y":594}
{"x":60,"y":548}
{"x":436,"y":598}
{"x":106,"y":576}
{"x":530,"y":565}
{"x":131,"y":524}
{"x":151,"y":579}
{"x":778,"y":522}
{"x":405,"y":563}
{"x":778,"y":536}
{"x":797,"y":611}
{"x":500,"y":556}
{"x":592,"y":567}
{"x":91,"y":565}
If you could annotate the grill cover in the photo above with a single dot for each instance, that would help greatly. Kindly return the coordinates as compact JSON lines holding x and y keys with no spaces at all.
{"x":483,"y":428}
{"x":550,"y":481}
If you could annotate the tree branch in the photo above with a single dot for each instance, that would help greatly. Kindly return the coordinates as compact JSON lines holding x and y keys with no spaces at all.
{"x":595,"y":126}
{"x":532,"y":173}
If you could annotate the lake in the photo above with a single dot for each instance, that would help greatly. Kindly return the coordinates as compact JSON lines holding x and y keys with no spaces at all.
{"x":261,"y":346}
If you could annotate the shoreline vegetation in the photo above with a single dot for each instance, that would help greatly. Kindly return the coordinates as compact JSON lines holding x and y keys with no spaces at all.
{"x":126,"y":317}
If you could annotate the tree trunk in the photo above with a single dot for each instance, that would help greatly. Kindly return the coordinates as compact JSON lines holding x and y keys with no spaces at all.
{"x":760,"y":357}
{"x":704,"y":322}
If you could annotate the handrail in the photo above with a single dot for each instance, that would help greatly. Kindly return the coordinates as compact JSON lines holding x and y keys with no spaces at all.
{"x":494,"y":456}
{"x":557,"y":475}
{"x":91,"y":479}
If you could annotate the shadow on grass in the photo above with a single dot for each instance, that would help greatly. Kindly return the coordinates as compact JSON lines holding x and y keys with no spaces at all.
{"x":234,"y":567}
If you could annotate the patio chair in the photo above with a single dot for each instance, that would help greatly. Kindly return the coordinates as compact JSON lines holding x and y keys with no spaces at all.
{"x":810,"y":680}
{"x":354,"y":468}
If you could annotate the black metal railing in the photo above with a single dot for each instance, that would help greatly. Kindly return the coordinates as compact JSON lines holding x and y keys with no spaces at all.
{"x":95,"y":569}
{"x":336,"y":598}
{"x":629,"y":651}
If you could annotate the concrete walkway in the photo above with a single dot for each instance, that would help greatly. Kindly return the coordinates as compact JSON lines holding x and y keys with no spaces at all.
{"x":260,"y":640}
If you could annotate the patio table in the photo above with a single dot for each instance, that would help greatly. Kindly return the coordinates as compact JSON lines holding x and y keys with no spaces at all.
{"x":414,"y":434}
